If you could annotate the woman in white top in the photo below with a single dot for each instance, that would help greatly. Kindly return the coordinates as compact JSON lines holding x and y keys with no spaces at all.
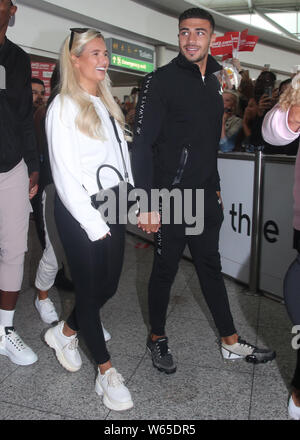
{"x":81,"y":137}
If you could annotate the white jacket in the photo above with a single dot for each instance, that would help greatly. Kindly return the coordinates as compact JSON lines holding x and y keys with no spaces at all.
{"x":75,"y":158}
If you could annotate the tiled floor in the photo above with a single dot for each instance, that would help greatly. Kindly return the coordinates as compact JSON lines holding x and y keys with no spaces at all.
{"x":204,"y":386}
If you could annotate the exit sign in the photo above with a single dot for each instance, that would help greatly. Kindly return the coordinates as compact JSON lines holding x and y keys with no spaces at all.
{"x":125,"y":55}
{"x":130,"y":63}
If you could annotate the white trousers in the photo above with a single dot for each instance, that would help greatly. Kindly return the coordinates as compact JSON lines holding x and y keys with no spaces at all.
{"x":14,"y":221}
{"x":48,"y":266}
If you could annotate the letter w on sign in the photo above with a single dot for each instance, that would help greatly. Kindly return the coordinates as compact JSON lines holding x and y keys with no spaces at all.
{"x":2,"y":78}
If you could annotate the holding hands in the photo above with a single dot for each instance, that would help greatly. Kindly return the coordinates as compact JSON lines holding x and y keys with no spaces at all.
{"x":149,"y":221}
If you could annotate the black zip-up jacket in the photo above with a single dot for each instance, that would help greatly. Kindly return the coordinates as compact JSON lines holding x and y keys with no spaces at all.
{"x":178,"y":125}
{"x":17,"y":137}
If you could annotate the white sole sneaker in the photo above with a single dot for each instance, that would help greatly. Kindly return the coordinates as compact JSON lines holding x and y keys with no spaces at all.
{"x":111,"y":404}
{"x":106,"y":334}
{"x":50,"y":340}
{"x":17,"y":360}
{"x":294,"y":411}
{"x":46,"y":311}
{"x":228,"y":355}
{"x":13,"y":347}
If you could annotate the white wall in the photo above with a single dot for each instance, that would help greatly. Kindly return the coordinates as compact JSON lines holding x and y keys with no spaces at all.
{"x":121,"y":91}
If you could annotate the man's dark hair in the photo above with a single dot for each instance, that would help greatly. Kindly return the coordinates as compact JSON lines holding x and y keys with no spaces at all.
{"x":266,"y":73}
{"x":37,"y":81}
{"x":197,"y":13}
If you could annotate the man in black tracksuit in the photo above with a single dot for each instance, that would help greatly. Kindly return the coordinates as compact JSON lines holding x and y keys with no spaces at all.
{"x":176,"y":138}
{"x":19,"y":168}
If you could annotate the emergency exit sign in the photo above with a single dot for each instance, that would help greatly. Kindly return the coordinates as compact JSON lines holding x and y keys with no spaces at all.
{"x":130,"y":63}
{"x":125,"y":55}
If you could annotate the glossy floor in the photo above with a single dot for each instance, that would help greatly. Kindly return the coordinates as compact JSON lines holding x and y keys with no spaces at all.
{"x":204,"y":386}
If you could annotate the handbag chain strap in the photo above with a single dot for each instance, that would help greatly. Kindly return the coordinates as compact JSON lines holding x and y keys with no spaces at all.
{"x":120,"y":145}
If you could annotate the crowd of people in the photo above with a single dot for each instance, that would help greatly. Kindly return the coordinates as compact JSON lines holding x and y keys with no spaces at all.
{"x":81,"y":130}
{"x":245,"y":109}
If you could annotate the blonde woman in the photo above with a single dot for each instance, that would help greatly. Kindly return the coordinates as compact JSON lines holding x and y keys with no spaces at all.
{"x":282,"y":126}
{"x":81,"y":137}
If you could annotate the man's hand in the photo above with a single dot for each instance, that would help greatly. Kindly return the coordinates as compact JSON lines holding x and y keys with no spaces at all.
{"x":220,"y":199}
{"x":265,"y":103}
{"x":236,"y":63}
{"x":294,"y":118}
{"x":33,"y":184}
{"x":149,"y":221}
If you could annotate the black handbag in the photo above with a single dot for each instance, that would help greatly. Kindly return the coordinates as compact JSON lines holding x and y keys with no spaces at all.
{"x":121,"y":207}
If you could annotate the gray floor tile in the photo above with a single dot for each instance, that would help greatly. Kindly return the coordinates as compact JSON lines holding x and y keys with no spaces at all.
{"x":269,"y":398}
{"x":280,"y":341}
{"x":191,"y":393}
{"x":204,"y":386}
{"x":273,"y":314}
{"x":19,"y":412}
{"x":47,"y":386}
{"x":190,"y":303}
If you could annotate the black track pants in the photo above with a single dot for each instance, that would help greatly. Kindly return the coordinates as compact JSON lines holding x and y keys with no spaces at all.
{"x":95,"y":268}
{"x":169,"y":246}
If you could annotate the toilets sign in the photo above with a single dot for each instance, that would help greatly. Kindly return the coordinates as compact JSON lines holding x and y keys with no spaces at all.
{"x":126,"y":56}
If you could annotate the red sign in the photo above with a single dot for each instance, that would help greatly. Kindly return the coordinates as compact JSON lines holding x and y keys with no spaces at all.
{"x":233,"y":42}
{"x":44,"y":72}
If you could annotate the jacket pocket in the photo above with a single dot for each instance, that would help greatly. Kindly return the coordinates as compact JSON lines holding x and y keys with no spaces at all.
{"x":182,"y":164}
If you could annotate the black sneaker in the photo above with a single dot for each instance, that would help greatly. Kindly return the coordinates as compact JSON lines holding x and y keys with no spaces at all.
{"x":162,"y":358}
{"x":249,"y":352}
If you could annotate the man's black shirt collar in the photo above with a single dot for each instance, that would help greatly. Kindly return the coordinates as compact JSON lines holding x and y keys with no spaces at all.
{"x":211,"y":67}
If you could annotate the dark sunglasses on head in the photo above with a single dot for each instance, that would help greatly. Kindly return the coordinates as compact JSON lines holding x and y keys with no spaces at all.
{"x":76,"y":31}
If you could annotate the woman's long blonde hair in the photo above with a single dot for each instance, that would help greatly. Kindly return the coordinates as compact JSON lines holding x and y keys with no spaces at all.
{"x":291,"y":96}
{"x":87,"y":120}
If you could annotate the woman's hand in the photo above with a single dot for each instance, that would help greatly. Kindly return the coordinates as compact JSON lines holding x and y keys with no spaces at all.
{"x":33,"y":184}
{"x":104,"y":236}
{"x":149,"y":221}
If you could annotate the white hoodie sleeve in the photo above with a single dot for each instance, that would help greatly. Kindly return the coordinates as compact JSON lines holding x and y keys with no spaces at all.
{"x":64,"y":153}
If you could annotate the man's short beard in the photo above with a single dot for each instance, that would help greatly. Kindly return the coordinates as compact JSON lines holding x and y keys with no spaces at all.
{"x":198,"y":60}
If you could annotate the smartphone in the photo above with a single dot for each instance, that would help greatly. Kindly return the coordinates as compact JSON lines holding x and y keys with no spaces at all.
{"x":268,"y":91}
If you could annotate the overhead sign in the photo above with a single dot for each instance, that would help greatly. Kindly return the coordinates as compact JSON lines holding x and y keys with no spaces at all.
{"x":126,"y":55}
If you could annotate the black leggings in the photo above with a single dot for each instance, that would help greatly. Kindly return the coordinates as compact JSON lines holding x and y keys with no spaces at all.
{"x":169,"y":246}
{"x":95,"y":268}
{"x":292,"y":301}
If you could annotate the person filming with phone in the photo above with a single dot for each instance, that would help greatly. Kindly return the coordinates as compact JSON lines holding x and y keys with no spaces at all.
{"x":265,"y":97}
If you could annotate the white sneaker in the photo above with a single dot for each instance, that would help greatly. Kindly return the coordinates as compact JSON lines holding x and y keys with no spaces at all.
{"x":46,"y":310}
{"x":65,"y":347}
{"x":243,"y":349}
{"x":294,"y":411}
{"x":11,"y":345}
{"x":107,"y":335}
{"x":116,"y":395}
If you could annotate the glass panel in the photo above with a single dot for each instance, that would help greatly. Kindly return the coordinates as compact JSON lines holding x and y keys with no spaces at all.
{"x":287,"y":20}
{"x":255,"y":20}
